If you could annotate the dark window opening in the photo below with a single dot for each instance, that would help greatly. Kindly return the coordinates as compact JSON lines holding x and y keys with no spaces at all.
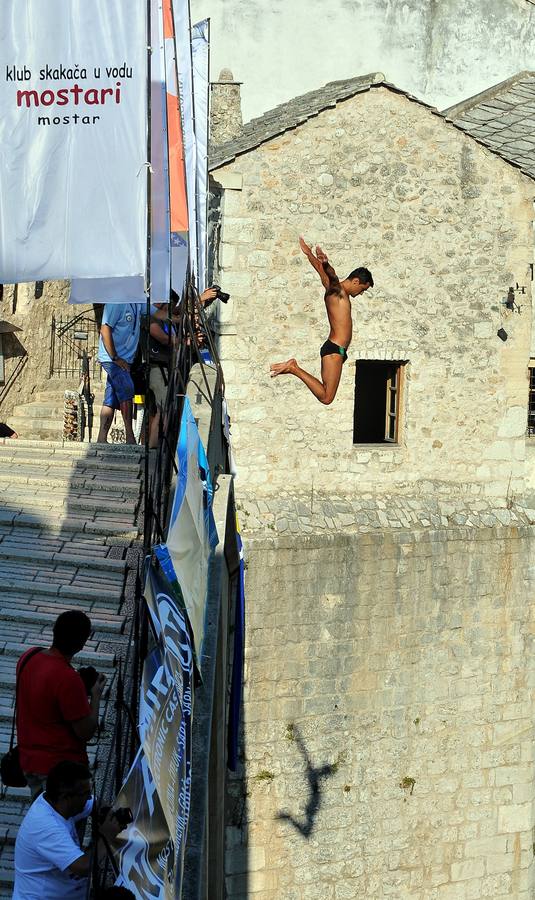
{"x":377,"y":402}
{"x":531,"y":402}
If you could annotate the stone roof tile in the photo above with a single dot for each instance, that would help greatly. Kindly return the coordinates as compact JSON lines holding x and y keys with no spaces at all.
{"x":289,"y":115}
{"x":503,"y":117}
{"x":499,"y":111}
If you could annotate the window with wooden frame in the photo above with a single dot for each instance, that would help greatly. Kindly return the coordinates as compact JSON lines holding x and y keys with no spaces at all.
{"x":378,"y":399}
{"x":531,"y":402}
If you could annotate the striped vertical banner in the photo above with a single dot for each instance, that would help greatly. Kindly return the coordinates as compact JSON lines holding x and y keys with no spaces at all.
{"x":160,"y":264}
{"x":200,"y":48}
{"x":177,"y":173}
{"x":181,"y":16}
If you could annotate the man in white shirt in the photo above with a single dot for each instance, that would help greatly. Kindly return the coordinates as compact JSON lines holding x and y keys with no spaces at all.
{"x":49,"y":862}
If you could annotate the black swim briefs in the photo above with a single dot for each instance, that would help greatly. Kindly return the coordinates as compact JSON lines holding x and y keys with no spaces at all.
{"x":329,"y":348}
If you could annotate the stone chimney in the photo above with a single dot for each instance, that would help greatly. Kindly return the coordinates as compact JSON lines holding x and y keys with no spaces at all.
{"x":225,"y":108}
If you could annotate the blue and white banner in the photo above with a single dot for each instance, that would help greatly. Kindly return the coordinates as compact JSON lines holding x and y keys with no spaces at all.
{"x":158,"y":786}
{"x":167,"y":699}
{"x":192,"y":533}
{"x":73,"y":139}
{"x":145,"y":852}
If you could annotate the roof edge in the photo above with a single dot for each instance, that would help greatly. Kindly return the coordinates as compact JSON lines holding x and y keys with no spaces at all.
{"x":229,"y":155}
{"x":488,"y":94}
{"x":372,"y":78}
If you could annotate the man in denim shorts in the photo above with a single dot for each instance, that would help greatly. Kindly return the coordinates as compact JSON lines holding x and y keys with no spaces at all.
{"x":119,"y":337}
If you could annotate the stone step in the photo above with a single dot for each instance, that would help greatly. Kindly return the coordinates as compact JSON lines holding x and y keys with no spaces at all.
{"x":37,"y":434}
{"x":89,"y":656}
{"x":48,"y":409}
{"x":19,"y":631}
{"x":94,"y":481}
{"x":20,"y":423}
{"x":74,"y":500}
{"x":14,"y":806}
{"x":66,"y":592}
{"x":34,"y":457}
{"x":57,"y":389}
{"x":101,"y":612}
{"x":130,"y":451}
{"x":77,"y":582}
{"x":40,"y":618}
{"x":71,"y":560}
{"x":7,"y":880}
{"x":22,"y":538}
{"x":122,"y":533}
{"x":28,"y":599}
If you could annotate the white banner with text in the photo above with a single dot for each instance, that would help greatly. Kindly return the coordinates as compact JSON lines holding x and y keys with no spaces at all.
{"x":73,"y":139}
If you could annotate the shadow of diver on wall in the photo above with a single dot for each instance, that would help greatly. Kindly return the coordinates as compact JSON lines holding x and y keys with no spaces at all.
{"x":314,"y":776}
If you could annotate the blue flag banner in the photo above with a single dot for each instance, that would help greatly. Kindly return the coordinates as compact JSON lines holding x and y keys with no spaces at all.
{"x":145,"y":851}
{"x":192,"y":533}
{"x":158,"y":787}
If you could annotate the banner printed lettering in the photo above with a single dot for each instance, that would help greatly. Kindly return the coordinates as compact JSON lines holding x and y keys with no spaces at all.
{"x":145,"y":851}
{"x":166,"y":704}
{"x":72,"y":140}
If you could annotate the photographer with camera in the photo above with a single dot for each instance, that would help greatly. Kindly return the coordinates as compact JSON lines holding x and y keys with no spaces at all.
{"x":50,"y":863}
{"x":57,"y":707}
{"x":162,"y":341}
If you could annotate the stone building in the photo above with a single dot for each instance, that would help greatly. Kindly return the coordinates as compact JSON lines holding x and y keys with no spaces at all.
{"x":503,"y":118}
{"x":445,"y":226}
{"x":388,"y":733}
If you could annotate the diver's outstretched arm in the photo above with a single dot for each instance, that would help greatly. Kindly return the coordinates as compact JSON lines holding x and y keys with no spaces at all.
{"x":333,"y":282}
{"x":315,"y":262}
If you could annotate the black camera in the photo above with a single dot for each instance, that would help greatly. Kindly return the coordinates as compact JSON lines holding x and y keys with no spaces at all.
{"x":220,"y":295}
{"x":123,"y":815}
{"x":89,"y":675}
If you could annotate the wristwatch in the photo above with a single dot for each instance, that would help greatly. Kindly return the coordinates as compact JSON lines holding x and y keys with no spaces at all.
{"x":114,"y":358}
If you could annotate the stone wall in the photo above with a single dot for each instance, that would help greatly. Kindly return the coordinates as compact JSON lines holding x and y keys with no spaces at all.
{"x":445,"y":226}
{"x":401,"y":664}
{"x":34,"y":316}
{"x":530,"y":466}
{"x":441,"y":51}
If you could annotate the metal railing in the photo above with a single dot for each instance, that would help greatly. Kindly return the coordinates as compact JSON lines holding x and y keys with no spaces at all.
{"x":192,"y":336}
{"x":70,"y":338}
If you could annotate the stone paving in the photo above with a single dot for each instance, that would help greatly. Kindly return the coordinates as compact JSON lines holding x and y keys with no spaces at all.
{"x":69,"y":516}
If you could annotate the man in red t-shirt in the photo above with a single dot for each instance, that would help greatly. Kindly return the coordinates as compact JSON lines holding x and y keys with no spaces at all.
{"x":55,"y":719}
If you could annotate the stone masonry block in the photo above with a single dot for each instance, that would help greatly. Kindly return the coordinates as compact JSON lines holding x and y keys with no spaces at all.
{"x":516,"y":817}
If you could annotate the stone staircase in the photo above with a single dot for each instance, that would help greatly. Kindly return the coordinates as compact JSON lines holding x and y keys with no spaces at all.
{"x":69,"y":513}
{"x":42,"y":418}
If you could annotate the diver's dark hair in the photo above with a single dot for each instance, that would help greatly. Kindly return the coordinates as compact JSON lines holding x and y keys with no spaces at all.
{"x":363,"y":275}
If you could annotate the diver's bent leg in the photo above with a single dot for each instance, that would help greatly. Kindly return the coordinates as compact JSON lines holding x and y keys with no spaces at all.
{"x":324,"y":390}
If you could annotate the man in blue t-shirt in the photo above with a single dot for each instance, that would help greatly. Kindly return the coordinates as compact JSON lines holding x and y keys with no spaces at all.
{"x":119,"y":337}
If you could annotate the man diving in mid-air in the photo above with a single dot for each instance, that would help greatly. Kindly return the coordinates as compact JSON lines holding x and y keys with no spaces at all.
{"x":337,"y":301}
